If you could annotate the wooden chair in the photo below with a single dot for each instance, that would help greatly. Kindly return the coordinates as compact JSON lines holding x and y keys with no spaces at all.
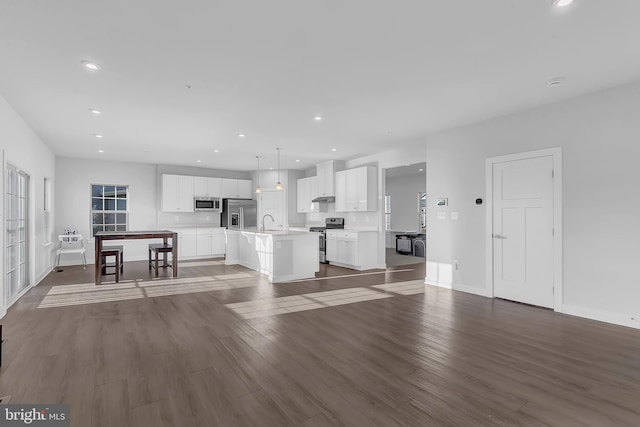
{"x":155,"y":249}
{"x":70,"y":244}
{"x":118,"y":265}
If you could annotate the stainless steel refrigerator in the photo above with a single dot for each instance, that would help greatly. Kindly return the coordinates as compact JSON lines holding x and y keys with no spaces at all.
{"x":239,"y":214}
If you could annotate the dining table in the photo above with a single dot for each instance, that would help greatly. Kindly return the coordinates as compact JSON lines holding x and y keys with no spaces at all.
{"x":165,"y":235}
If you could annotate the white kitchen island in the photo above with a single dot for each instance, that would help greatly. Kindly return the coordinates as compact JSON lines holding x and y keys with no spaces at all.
{"x":281,"y":255}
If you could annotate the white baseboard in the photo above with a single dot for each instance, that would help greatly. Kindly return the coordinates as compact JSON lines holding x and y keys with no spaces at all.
{"x":459,"y":287}
{"x":602,"y":316}
{"x":43,"y":275}
{"x":3,"y":312}
{"x":628,"y":320}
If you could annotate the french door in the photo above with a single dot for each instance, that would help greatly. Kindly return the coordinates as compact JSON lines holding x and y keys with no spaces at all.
{"x":16,"y":251}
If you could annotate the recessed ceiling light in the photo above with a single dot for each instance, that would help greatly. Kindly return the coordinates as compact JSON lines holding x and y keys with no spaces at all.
{"x":100,"y":151}
{"x":297,"y":160}
{"x":198,"y":161}
{"x":555,"y":81}
{"x":334,"y":149}
{"x":97,"y":135}
{"x":90,"y":65}
{"x":216,"y":151}
{"x":317,"y":118}
{"x":421,"y":170}
{"x":271,"y":168}
{"x":562,"y":3}
{"x":241,"y":135}
{"x":94,"y":111}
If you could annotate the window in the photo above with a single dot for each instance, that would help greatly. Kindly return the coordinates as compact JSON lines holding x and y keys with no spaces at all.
{"x":109,"y":208}
{"x":46,"y":215}
{"x":387,"y":212}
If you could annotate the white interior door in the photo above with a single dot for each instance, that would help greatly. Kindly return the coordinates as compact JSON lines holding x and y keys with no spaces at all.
{"x":523,"y":252}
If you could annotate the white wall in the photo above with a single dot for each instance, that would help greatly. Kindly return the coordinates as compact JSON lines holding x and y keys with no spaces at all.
{"x":73,"y":201}
{"x":24,"y":149}
{"x":405,"y":201}
{"x":599,"y":135}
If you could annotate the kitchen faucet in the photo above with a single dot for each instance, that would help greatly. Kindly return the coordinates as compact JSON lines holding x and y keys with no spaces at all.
{"x":263,"y":217}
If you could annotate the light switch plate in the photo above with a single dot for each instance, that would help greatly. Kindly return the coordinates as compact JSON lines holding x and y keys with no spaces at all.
{"x":442,"y":215}
{"x":454,"y":215}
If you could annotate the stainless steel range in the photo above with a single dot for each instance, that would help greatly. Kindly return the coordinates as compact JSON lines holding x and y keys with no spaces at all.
{"x":330,"y":223}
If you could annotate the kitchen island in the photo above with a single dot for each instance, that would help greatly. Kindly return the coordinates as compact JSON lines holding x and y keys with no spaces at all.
{"x":281,"y":255}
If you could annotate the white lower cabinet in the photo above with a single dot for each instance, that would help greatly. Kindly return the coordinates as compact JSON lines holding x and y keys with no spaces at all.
{"x":187,"y":243}
{"x":219,"y":243}
{"x":204,"y":240}
{"x":353,"y":249}
{"x":201,"y":242}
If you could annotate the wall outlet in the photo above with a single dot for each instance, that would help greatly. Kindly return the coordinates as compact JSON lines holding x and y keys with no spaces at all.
{"x":456,"y":265}
{"x":207,"y":218}
{"x":176,"y":218}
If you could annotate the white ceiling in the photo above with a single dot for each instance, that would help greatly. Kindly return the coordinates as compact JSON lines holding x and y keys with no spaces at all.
{"x":417,"y":169}
{"x":380,"y":72}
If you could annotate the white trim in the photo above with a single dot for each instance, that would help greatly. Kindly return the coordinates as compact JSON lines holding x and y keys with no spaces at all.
{"x":602,"y":316}
{"x":20,"y":295}
{"x":460,"y":287}
{"x":558,"y":266}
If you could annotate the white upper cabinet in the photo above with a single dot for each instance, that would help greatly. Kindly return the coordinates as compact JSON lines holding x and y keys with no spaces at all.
{"x":207,"y":186}
{"x":357,"y":190}
{"x":325,"y":178}
{"x":177,"y":193}
{"x":237,"y":188}
{"x":245,"y":189}
{"x":307,"y":191}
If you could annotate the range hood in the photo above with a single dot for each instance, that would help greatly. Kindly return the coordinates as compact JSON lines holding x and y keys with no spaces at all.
{"x":325,"y":199}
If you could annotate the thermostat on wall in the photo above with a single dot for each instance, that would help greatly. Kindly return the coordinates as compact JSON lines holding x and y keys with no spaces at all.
{"x":442,"y":202}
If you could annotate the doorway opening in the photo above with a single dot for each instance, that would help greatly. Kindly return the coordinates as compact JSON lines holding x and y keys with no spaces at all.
{"x":405,"y":214}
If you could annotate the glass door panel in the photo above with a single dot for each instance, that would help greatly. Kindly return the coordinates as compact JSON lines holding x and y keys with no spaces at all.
{"x":16,"y":232}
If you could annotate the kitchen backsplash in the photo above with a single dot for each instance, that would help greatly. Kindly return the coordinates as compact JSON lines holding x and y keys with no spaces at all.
{"x":188,"y":219}
{"x":351,"y":219}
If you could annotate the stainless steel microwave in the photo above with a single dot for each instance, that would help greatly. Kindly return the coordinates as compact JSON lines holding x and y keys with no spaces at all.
{"x":207,"y":204}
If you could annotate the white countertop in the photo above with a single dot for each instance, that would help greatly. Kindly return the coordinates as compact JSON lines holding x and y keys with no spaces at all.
{"x":193,"y":227}
{"x":272,"y":232}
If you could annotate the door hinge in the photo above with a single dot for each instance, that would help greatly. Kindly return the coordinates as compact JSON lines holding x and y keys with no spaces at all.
{"x":553,"y":231}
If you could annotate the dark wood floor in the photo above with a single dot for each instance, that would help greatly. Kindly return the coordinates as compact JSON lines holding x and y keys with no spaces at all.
{"x":434,"y":358}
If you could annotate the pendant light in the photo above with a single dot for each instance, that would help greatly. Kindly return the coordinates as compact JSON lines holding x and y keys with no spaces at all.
{"x":278,"y":185}
{"x":258,"y":190}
